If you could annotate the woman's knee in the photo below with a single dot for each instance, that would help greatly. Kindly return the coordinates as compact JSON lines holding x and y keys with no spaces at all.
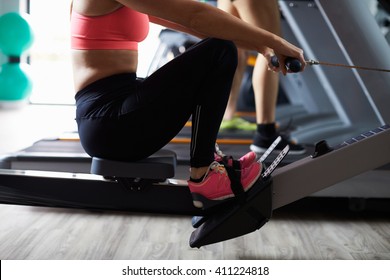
{"x":226,"y":53}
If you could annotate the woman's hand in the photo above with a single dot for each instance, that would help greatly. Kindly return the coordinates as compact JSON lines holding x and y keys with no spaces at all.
{"x":283,"y":50}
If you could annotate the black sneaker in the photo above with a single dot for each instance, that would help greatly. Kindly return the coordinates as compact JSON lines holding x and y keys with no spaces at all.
{"x":261,"y":144}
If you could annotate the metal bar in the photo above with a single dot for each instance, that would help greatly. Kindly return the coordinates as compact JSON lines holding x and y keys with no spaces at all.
{"x":309,"y":175}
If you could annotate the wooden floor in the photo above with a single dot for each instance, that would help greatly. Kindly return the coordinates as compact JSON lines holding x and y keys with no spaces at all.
{"x":44,"y":233}
{"x":47,"y":233}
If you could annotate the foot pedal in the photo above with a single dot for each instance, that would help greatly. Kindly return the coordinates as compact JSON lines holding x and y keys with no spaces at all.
{"x":238,"y":219}
{"x":198,"y":220}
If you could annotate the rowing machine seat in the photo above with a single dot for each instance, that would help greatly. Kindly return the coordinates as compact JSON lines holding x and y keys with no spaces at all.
{"x":160,"y":165}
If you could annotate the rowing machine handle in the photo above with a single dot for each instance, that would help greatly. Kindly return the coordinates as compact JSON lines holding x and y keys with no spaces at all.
{"x":292,"y":64}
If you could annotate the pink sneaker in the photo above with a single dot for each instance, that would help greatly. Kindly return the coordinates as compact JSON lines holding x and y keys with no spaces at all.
{"x":245,"y":161}
{"x":248,"y":159}
{"x":216,"y":186}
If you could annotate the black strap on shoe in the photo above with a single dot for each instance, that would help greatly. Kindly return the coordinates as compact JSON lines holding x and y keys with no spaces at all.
{"x":235,"y":163}
{"x":235,"y":183}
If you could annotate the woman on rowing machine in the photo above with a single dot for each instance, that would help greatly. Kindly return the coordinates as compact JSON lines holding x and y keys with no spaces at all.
{"x":122,"y":117}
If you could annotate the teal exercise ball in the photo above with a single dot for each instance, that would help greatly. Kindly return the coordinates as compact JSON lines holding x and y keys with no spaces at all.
{"x":15,"y":84}
{"x":16,"y":35}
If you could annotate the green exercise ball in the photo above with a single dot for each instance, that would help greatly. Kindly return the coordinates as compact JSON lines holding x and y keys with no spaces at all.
{"x":15,"y":84}
{"x":16,"y":35}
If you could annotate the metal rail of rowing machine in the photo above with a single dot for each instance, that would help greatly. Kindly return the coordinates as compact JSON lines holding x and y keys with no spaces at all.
{"x":290,"y":183}
{"x":299,"y":179}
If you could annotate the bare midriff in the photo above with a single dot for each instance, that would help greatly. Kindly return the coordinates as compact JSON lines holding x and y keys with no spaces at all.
{"x":92,"y":65}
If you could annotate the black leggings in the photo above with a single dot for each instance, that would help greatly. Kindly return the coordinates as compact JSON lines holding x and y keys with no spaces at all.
{"x":124,"y":118}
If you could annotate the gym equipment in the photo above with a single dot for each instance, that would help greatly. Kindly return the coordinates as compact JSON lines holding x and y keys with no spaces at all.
{"x":119,"y":188}
{"x":333,"y":103}
{"x":294,"y":181}
{"x":292,"y":64}
{"x":147,"y":185}
{"x":15,"y":38}
{"x":322,"y":106}
{"x":312,"y":62}
{"x":250,"y":210}
{"x":295,"y":66}
{"x":65,"y":154}
{"x":109,"y":190}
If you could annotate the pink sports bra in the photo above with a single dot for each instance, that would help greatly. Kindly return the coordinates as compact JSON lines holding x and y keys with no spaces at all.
{"x":122,"y":29}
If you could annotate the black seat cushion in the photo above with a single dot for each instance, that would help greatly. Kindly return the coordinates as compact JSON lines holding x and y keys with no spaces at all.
{"x":160,"y":165}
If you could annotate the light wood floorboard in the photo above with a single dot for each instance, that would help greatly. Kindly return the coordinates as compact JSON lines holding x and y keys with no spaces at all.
{"x":49,"y":233}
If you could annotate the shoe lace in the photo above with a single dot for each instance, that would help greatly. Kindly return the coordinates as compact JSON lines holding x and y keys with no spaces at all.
{"x":218,"y":151}
{"x":217,"y":167}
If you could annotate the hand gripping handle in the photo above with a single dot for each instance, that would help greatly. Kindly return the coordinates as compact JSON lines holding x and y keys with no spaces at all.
{"x":292,"y":64}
